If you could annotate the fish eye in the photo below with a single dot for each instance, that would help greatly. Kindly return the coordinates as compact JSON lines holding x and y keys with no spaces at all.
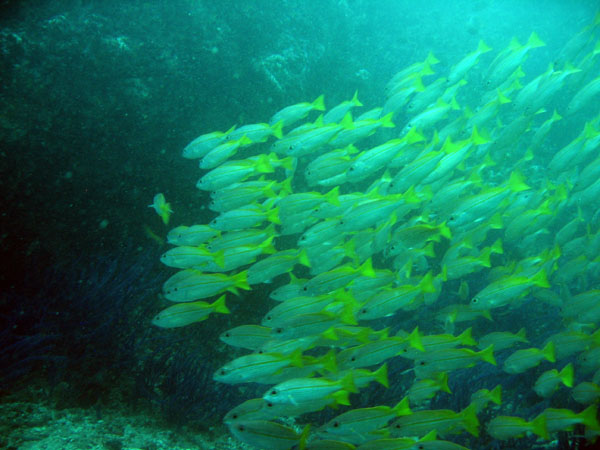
{"x":421,"y":363}
{"x":363,"y":311}
{"x":305,"y":288}
{"x":175,"y":289}
{"x":336,"y":424}
{"x":268,"y":318}
{"x":405,"y":350}
{"x":234,"y":416}
{"x":269,"y":405}
{"x":353,"y":359}
{"x":241,"y":428}
{"x":279,"y":330}
{"x":474,"y":300}
{"x":351,"y":169}
{"x":273,"y":392}
{"x":227,"y":335}
{"x":222,"y":372}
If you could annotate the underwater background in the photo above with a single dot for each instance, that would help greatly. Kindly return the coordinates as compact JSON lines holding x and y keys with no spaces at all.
{"x":98,"y":99}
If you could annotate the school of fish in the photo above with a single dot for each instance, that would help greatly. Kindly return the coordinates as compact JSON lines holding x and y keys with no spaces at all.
{"x":406,"y":233}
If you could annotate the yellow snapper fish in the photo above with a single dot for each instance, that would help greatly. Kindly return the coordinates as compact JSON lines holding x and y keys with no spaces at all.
{"x":184,"y":257}
{"x":431,"y":115}
{"x":338,"y":112}
{"x":183,"y":314}
{"x":401,"y":96}
{"x":256,"y":367}
{"x":459,"y":70}
{"x":363,"y":377}
{"x":449,"y":359}
{"x":189,"y":284}
{"x":543,"y":130}
{"x":584,"y":96}
{"x":234,"y":257}
{"x":415,"y":172}
{"x":481,"y":398}
{"x":239,"y":238}
{"x":205,"y":143}
{"x":523,"y":360}
{"x":508,"y":427}
{"x":235,"y":171}
{"x":513,"y":57}
{"x":427,"y":96}
{"x":444,"y":421}
{"x":571,"y":342}
{"x":251,"y":337}
{"x":436,"y":444}
{"x":454,"y":155}
{"x":266,"y":434}
{"x":247,"y":216}
{"x":501,"y":340}
{"x":377,"y":208}
{"x":244,"y":193}
{"x":304,"y":390}
{"x":293,"y":113}
{"x":501,"y":292}
{"x":162,"y":208}
{"x":586,"y":393}
{"x":488,"y":111}
{"x":285,"y":311}
{"x":548,"y":382}
{"x":370,"y":161}
{"x":223,"y":152}
{"x":329,"y":444}
{"x":456,"y":268}
{"x":354,"y":131}
{"x":282,"y":262}
{"x":319,"y":323}
{"x":257,"y":132}
{"x":388,"y":301}
{"x":565,"y":419}
{"x":355,"y":425}
{"x":425,"y":389}
{"x":418,"y":69}
{"x":372,"y":353}
{"x":434,"y":342}
{"x":252,"y":409}
{"x":330,"y":168}
{"x":482,"y":206}
{"x":336,"y":278}
{"x":194,"y":235}
{"x":303,"y":202}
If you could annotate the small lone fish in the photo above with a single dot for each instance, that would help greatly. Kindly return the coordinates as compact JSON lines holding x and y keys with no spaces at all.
{"x":162,"y":208}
